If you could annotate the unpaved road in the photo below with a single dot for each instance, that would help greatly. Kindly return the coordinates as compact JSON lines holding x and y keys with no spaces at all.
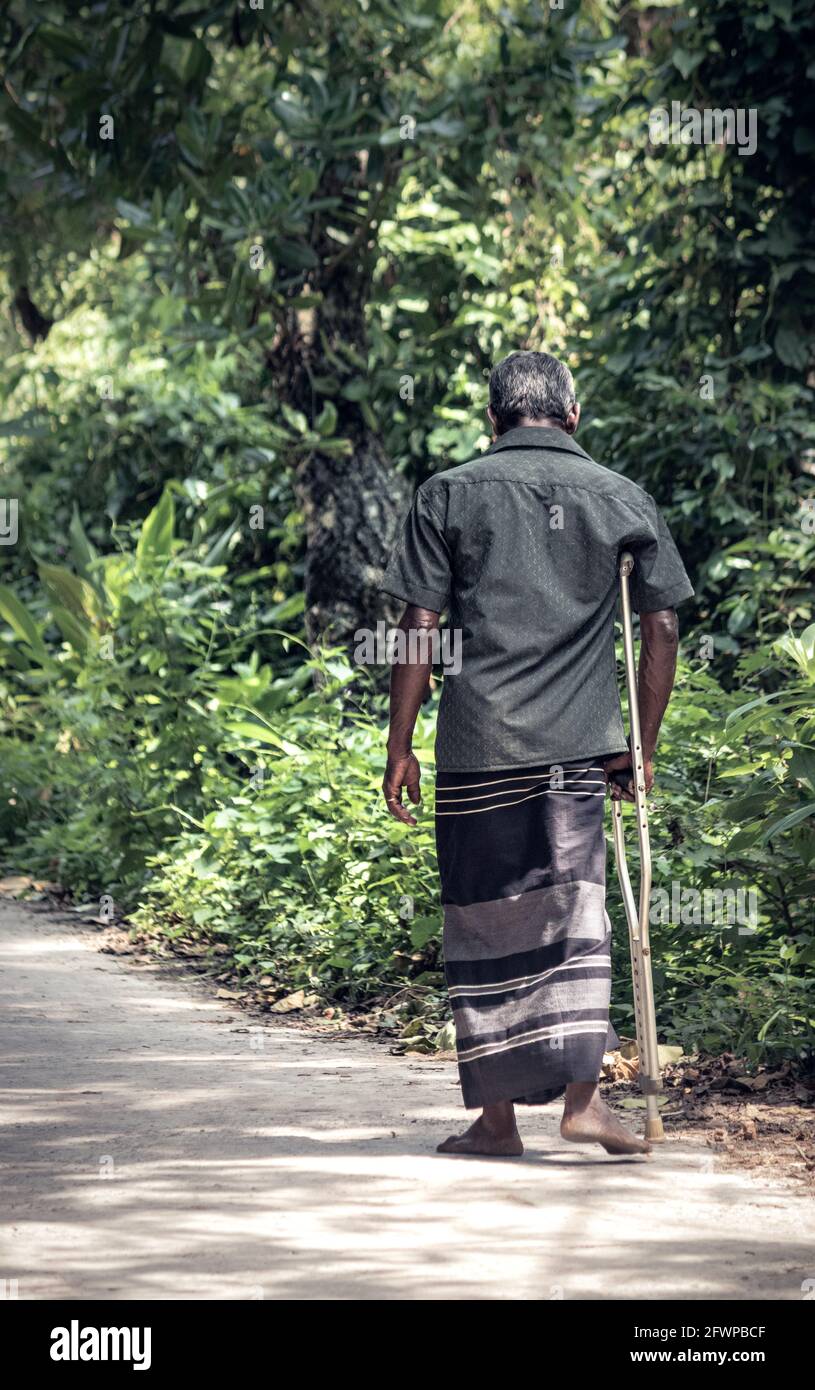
{"x":154,"y":1148}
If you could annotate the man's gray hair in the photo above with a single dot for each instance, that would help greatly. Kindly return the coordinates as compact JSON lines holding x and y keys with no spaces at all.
{"x":531,"y":384}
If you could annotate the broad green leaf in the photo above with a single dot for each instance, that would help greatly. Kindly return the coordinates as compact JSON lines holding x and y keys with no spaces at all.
{"x":423,"y":929}
{"x":265,"y":735}
{"x":70,"y":591}
{"x":326,"y":421}
{"x":72,"y":629}
{"x":155,"y":540}
{"x":20,"y":620}
{"x":777,"y":827}
{"x":84,"y":552}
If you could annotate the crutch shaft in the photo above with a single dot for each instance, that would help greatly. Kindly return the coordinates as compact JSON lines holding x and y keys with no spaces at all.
{"x":637,"y":915}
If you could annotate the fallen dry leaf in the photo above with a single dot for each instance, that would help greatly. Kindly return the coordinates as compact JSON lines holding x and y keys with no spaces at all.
{"x":16,"y":884}
{"x":290,"y":1002}
{"x":752,"y":1083}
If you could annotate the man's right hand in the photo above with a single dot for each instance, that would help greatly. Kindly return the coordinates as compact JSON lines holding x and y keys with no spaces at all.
{"x":622,"y":763}
{"x":402,"y":771}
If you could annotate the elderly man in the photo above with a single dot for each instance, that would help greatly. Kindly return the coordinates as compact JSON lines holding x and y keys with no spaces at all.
{"x":521,"y":547}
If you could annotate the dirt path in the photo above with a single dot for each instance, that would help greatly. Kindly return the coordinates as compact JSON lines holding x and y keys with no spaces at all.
{"x":155,"y":1148}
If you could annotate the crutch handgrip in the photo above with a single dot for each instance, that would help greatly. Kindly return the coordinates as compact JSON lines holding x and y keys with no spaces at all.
{"x":637,"y":914}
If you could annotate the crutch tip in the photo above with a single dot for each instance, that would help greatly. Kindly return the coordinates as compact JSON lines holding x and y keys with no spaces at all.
{"x":654,"y":1131}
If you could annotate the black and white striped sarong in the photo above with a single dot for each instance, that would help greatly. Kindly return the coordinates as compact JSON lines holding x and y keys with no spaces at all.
{"x":527,"y":939}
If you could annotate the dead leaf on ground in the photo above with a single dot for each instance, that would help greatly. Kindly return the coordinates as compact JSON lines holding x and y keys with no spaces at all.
{"x":753,"y":1083}
{"x":117,"y":947}
{"x":619,"y":1068}
{"x":16,"y":884}
{"x":298,"y":1000}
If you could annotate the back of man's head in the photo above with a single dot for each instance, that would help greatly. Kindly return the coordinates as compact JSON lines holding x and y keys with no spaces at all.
{"x":530,"y":386}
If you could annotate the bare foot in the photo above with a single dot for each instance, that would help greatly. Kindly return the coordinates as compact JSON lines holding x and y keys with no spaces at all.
{"x":588,"y":1120}
{"x":494,"y":1133}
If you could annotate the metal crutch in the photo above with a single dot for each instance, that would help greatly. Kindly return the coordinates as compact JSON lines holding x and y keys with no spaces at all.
{"x":638,"y":934}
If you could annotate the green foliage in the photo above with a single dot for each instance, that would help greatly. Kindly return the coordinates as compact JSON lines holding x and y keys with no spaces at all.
{"x":733,"y":810}
{"x":301,"y":873}
{"x":115,"y":720}
{"x":701,"y":306}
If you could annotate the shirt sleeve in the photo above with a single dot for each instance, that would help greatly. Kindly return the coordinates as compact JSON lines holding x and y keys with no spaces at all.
{"x":659,"y":579}
{"x":419,"y":568}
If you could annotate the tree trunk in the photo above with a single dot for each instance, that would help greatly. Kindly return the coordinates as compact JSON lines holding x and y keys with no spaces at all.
{"x":353,"y":505}
{"x":35,"y":324}
{"x":353,"y":508}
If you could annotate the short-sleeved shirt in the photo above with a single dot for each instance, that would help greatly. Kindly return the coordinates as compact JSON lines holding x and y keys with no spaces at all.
{"x":521,"y":548}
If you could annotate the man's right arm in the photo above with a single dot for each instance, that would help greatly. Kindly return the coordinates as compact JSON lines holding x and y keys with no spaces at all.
{"x":659,"y":643}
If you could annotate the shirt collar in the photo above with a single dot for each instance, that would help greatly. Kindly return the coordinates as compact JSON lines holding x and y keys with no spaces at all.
{"x":537,"y":437}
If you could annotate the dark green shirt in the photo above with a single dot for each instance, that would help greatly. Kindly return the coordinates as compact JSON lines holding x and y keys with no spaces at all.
{"x":521,"y":548}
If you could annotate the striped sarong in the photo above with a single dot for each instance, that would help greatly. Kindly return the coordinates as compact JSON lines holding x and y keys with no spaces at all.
{"x":527,"y":939}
